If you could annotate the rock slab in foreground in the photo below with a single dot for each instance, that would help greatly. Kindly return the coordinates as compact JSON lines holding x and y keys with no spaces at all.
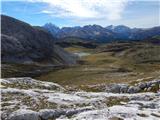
{"x":30,"y":99}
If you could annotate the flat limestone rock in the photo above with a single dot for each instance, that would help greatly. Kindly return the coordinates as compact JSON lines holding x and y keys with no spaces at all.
{"x":23,"y":114}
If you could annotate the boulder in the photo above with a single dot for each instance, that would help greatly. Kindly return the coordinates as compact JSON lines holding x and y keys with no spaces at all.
{"x":134,"y":89}
{"x":117,"y":88}
{"x":137,"y":89}
{"x":124,"y":89}
{"x":131,"y":89}
{"x":142,"y":85}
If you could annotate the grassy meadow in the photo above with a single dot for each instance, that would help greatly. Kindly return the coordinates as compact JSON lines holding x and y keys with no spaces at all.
{"x":110,"y":63}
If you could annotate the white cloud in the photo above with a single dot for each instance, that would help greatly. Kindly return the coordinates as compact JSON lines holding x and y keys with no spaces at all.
{"x":85,"y":9}
{"x":46,"y":11}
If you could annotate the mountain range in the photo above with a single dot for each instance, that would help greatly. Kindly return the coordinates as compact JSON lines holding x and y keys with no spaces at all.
{"x":102,"y":34}
{"x":25,"y":43}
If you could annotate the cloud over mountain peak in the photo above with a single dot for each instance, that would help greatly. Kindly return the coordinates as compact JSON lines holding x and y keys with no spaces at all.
{"x":85,"y":9}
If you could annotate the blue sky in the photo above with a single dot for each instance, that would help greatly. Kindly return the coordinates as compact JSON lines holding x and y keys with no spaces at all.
{"x":133,"y":13}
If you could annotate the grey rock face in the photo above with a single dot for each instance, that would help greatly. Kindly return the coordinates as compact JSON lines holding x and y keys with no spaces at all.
{"x":22,"y":43}
{"x":24,"y":115}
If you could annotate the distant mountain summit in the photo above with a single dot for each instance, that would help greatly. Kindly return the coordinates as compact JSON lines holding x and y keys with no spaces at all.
{"x":103,"y":34}
{"x":119,"y":29}
{"x":53,"y":29}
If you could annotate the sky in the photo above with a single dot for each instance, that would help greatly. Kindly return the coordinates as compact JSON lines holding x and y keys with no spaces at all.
{"x":64,"y":13}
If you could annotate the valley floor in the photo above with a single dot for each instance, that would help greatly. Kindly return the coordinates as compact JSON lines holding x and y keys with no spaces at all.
{"x":106,"y":65}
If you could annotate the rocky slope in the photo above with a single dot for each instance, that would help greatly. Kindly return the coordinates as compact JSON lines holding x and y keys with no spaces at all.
{"x":30,"y":99}
{"x":23,"y":43}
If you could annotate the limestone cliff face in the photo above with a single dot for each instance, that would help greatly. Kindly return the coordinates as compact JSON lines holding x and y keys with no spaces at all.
{"x":23,"y":43}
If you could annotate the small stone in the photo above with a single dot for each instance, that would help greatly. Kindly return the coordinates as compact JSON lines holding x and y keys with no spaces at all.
{"x":155,"y":114}
{"x":116,"y":118}
{"x":149,"y":89}
{"x":145,"y":89}
{"x":123,"y":103}
{"x":142,"y":115}
{"x":142,"y":85}
{"x":153,"y":85}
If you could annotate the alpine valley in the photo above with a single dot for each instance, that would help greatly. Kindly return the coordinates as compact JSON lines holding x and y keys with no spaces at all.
{"x":79,"y":73}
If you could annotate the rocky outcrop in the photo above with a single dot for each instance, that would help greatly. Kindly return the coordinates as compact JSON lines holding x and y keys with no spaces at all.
{"x":23,"y":43}
{"x":27,"y":82}
{"x":139,"y":87}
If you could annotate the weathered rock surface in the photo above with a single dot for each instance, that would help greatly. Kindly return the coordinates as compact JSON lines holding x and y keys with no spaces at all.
{"x":23,"y":114}
{"x":29,"y":83}
{"x":30,"y":99}
{"x":46,"y":114}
